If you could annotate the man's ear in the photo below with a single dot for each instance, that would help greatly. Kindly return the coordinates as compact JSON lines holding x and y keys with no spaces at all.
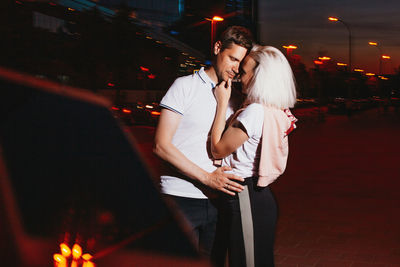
{"x":217,"y":47}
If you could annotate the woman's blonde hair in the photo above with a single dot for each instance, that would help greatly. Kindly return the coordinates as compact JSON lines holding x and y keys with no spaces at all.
{"x":273,"y":83}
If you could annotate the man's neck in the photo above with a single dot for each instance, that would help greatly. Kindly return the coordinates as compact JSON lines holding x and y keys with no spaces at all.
{"x":212,"y":74}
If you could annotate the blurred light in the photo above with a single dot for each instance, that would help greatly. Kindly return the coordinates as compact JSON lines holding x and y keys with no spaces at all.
{"x":144,"y":68}
{"x":359,"y":70}
{"x":88,"y":264}
{"x":76,"y":251}
{"x":289,"y":46}
{"x":217,"y":18}
{"x":324,"y":58}
{"x":370,"y":74}
{"x":125,"y":110}
{"x":383,"y":78}
{"x":373,"y":43}
{"x":87,"y":257}
{"x":156,"y":113}
{"x":192,"y":57}
{"x":167,"y":58}
{"x":149,"y":106}
{"x":333,"y":19}
{"x":341,"y":64}
{"x":173,"y":32}
{"x":65,"y":250}
{"x":148,"y":37}
{"x":185,"y":54}
{"x":159,"y":42}
{"x":385,"y":57}
{"x":151,"y":76}
{"x":59,"y":260}
{"x":71,"y":9}
{"x":317,"y":62}
{"x":114,"y":108}
{"x":111,"y":84}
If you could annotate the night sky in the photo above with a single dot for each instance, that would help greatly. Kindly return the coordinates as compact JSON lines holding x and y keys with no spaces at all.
{"x":305,"y":24}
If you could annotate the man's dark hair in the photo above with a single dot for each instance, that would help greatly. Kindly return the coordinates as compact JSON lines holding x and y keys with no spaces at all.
{"x":236,"y":35}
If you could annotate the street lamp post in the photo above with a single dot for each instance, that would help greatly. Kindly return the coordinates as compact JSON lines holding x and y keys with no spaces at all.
{"x":380,"y":55}
{"x":214,"y":20}
{"x":348,"y":28}
{"x":289,"y":49}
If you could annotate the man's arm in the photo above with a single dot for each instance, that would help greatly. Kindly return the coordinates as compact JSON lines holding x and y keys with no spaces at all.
{"x":163,"y":147}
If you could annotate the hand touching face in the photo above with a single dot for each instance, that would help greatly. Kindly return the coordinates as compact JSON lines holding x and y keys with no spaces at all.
{"x":222,"y":92}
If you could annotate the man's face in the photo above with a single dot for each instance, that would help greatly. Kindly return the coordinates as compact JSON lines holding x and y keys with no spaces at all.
{"x":228,"y":61}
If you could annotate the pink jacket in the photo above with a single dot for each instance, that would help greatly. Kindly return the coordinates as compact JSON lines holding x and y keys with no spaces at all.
{"x":275,"y":148}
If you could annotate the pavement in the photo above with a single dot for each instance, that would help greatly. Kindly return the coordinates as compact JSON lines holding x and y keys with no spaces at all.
{"x":339,"y":200}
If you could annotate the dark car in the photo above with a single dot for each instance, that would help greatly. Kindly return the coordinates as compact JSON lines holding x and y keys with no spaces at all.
{"x":74,"y":191}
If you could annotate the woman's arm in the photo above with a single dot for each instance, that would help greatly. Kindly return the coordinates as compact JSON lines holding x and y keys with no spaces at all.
{"x":235,"y":135}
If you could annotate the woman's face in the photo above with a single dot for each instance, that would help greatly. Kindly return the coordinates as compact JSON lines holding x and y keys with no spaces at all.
{"x":247,"y":72}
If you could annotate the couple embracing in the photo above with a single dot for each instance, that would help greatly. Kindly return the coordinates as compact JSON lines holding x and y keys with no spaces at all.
{"x":229,"y":208}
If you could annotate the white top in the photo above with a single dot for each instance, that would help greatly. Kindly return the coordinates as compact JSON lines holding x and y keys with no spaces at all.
{"x":245,"y":160}
{"x":191,"y":96}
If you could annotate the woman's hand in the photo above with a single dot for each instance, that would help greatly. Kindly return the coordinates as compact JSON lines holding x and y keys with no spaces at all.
{"x":222,"y":92}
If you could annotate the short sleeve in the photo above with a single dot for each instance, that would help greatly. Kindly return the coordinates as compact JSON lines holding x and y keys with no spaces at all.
{"x":174,"y":99}
{"x":252,"y":119}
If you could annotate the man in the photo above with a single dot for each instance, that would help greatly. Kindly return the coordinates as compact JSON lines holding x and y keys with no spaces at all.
{"x":182,"y":137}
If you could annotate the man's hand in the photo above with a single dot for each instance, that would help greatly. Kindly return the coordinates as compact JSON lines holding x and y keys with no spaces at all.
{"x":219,"y":180}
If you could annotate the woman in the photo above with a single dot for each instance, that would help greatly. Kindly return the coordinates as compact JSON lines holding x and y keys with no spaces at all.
{"x":255,"y":145}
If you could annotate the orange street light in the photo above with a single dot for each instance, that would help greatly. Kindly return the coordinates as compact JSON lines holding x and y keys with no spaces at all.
{"x":217,"y":18}
{"x":348,"y":29}
{"x":324,"y":58}
{"x":385,"y":57}
{"x":370,"y":74}
{"x":373,"y":43}
{"x":289,"y":48}
{"x":214,"y":20}
{"x":341,"y":64}
{"x":358,"y":70}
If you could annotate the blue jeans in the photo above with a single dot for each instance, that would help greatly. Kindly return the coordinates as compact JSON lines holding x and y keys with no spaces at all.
{"x":202,"y":217}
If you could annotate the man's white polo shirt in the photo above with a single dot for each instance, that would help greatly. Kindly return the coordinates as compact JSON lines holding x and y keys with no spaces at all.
{"x":192,"y":97}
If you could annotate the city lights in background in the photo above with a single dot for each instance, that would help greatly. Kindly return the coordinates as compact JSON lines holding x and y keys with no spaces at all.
{"x":358,"y":70}
{"x":335,"y":19}
{"x":217,"y":18}
{"x":214,"y":20}
{"x":289,"y":48}
{"x":324,"y":58}
{"x":341,"y":64}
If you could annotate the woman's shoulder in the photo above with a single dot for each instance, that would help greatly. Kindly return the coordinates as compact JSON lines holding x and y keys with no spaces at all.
{"x":253,"y":111}
{"x":255,"y":107}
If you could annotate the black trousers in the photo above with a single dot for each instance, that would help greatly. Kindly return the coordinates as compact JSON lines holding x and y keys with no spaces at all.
{"x":246,"y":227}
{"x":202,"y":217}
